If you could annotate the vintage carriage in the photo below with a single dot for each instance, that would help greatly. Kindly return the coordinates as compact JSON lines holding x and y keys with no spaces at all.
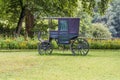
{"x":67,"y":34}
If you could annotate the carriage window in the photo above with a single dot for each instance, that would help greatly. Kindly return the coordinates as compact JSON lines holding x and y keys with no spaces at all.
{"x":63,"y":26}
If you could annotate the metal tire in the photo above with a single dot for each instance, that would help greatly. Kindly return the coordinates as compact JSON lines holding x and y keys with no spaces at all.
{"x":45,"y":48}
{"x":80,"y":47}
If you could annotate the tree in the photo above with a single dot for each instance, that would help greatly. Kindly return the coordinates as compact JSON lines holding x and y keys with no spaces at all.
{"x":111,"y":18}
{"x":99,"y":30}
{"x":8,"y":12}
{"x":90,"y":5}
{"x":51,"y":7}
{"x":85,"y":21}
{"x":47,"y":8}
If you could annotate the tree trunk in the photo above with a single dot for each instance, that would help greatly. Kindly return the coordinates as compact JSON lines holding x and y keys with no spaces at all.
{"x":29,"y":23}
{"x":19,"y":25}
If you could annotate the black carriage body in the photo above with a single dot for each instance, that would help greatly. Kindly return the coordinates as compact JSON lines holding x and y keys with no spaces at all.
{"x":68,"y":29}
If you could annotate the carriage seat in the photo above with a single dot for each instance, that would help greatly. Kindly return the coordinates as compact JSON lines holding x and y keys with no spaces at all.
{"x":54,"y":34}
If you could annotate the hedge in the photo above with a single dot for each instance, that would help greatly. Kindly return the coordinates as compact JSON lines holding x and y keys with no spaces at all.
{"x":20,"y":43}
{"x":104,"y":44}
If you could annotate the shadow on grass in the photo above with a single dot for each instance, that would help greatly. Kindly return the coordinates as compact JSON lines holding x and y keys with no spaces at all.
{"x":17,"y":50}
{"x":59,"y":54}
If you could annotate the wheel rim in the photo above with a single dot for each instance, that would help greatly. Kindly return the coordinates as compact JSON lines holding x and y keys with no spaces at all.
{"x":44,"y":48}
{"x":80,"y":46}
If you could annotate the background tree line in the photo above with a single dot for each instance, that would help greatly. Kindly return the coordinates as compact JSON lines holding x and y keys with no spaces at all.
{"x":19,"y":17}
{"x":111,"y":18}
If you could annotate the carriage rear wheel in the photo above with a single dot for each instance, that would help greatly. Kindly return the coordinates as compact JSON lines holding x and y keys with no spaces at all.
{"x":80,"y":46}
{"x":45,"y":48}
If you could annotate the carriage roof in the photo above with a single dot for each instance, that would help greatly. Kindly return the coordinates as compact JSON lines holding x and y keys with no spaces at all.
{"x":71,"y":23}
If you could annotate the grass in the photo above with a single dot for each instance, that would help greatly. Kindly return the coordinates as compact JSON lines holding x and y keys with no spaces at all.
{"x":28,"y":65}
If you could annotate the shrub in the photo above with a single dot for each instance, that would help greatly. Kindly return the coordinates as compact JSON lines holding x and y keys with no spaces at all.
{"x":54,"y":44}
{"x":104,"y":44}
{"x":99,"y":30}
{"x":20,"y":43}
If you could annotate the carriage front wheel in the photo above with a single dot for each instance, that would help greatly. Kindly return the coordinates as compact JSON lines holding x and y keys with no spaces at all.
{"x":45,"y":48}
{"x":80,"y":46}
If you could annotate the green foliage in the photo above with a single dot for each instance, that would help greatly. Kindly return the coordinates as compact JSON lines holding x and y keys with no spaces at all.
{"x":11,"y":9}
{"x":85,"y":24}
{"x":85,"y":20}
{"x":111,"y":18}
{"x":99,"y":30}
{"x":7,"y":29}
{"x":41,"y":25}
{"x":18,"y":43}
{"x":104,"y":44}
{"x":89,"y":5}
{"x":54,"y":44}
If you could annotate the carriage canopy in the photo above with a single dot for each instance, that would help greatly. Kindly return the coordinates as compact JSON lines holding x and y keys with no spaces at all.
{"x":71,"y":25}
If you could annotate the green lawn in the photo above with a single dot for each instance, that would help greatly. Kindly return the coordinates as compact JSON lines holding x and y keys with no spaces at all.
{"x":28,"y":65}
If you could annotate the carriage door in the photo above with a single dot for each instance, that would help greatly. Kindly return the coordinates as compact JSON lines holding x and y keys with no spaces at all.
{"x":63,"y":37}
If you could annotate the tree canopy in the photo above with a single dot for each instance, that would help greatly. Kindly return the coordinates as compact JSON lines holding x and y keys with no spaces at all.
{"x":15,"y":11}
{"x":111,"y":18}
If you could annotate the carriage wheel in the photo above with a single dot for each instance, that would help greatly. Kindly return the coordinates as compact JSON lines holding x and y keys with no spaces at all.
{"x":45,"y":48}
{"x":80,"y":46}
